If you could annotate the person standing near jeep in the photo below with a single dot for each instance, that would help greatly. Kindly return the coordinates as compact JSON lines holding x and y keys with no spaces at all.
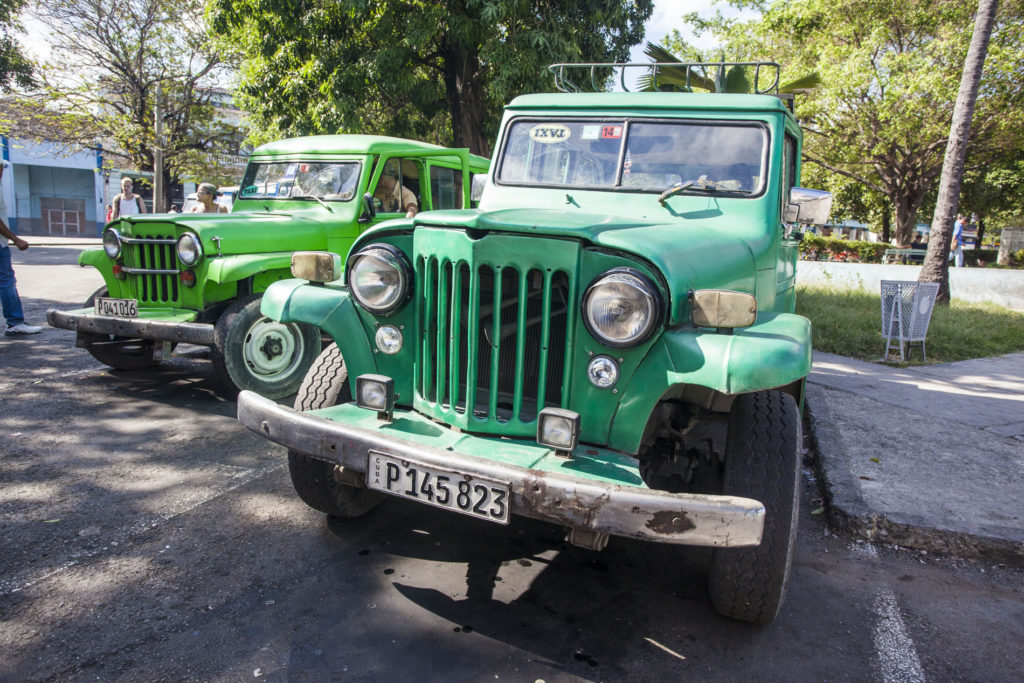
{"x":9,"y":299}
{"x":205,"y":196}
{"x":126,"y":203}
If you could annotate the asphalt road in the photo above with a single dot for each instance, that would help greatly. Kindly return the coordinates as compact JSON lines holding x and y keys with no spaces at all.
{"x":145,"y":535}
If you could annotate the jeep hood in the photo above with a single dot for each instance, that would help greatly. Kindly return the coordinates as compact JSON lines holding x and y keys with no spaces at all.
{"x":696,"y":253}
{"x":243,"y":233}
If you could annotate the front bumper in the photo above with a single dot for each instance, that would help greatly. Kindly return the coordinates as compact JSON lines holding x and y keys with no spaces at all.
{"x":544,"y":486}
{"x":84,"y":321}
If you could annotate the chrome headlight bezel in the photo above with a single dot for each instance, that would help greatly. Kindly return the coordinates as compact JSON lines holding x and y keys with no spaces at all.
{"x":115,"y":242}
{"x":641,"y":284}
{"x":394,"y":259}
{"x":189,"y":239}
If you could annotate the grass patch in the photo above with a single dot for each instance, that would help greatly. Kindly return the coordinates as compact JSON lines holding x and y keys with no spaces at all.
{"x":849,"y":323}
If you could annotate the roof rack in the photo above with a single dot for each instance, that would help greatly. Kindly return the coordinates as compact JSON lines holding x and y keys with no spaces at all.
{"x":697,"y":74}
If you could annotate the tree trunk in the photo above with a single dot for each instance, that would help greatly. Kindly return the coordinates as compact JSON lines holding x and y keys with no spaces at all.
{"x":981,"y":232}
{"x":466,"y":101}
{"x":936,"y":263}
{"x":906,"y":219}
{"x":886,"y":225}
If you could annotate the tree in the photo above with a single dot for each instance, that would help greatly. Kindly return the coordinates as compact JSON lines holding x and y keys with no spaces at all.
{"x":936,"y":265}
{"x":15,"y":67}
{"x":433,"y":71}
{"x":108,"y":59}
{"x":889,"y":72}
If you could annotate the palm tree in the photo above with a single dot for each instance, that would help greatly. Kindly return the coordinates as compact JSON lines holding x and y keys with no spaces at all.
{"x":936,"y":262}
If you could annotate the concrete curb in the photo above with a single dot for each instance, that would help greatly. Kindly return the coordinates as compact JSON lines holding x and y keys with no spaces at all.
{"x":850,"y":514}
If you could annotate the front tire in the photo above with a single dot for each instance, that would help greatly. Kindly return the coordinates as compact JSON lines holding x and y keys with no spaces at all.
{"x":251,"y":351}
{"x":320,"y":484}
{"x":118,"y":352}
{"x":762,"y":462}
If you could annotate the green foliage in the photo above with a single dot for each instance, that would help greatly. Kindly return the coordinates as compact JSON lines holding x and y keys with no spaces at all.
{"x":128,"y":56}
{"x":433,"y":71}
{"x":1017,"y":258}
{"x":974,"y":257}
{"x":15,"y":67}
{"x":890,"y":73}
{"x":819,"y":246}
{"x":849,"y":323}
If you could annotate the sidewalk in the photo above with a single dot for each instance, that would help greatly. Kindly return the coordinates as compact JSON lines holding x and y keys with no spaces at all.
{"x":929,"y":457}
{"x":58,"y":241}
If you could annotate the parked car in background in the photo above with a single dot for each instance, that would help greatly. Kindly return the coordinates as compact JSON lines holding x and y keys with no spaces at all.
{"x":199,"y":278}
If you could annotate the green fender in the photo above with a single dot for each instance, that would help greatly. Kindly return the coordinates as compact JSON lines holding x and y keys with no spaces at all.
{"x":94,"y":256}
{"x":774,"y":352}
{"x":328,"y":307}
{"x":223,"y":269}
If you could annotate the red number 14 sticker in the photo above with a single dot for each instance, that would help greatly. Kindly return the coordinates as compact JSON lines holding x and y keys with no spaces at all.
{"x":611,"y":132}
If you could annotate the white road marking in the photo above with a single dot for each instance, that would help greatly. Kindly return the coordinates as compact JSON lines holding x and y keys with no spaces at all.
{"x":897,"y":655}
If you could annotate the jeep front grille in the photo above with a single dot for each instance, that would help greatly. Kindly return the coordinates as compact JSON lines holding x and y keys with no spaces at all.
{"x":493,"y":342}
{"x":152,"y":267}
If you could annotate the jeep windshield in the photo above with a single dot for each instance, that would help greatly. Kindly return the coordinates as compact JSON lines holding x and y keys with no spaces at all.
{"x":636,"y":155}
{"x":317,"y":180}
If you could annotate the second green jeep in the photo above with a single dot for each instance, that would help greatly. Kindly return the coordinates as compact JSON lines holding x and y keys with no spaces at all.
{"x":199,"y":278}
{"x":608,"y":343}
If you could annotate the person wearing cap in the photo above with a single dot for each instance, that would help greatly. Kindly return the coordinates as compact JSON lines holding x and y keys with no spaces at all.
{"x":205,"y":196}
{"x":9,"y":299}
{"x":127,"y":203}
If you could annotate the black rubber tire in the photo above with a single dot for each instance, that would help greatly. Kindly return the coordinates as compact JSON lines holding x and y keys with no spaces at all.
{"x":762,"y":461}
{"x":316,"y":481}
{"x":126,"y":354}
{"x":236,"y":357}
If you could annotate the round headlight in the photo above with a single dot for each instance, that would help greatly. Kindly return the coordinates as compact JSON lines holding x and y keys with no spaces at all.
{"x":603,"y":372}
{"x":190,"y":249}
{"x":389,"y":339}
{"x":621,"y":308}
{"x":379,"y":278}
{"x":112,"y":243}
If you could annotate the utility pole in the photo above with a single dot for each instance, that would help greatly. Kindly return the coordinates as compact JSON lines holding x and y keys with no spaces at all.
{"x":158,"y":155}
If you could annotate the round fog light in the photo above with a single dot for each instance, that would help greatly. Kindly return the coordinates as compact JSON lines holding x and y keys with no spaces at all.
{"x":389,"y":339}
{"x":373,"y":395}
{"x":603,"y":372}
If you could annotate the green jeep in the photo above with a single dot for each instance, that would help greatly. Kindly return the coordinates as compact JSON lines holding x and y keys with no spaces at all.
{"x":607,"y":343}
{"x":199,"y":278}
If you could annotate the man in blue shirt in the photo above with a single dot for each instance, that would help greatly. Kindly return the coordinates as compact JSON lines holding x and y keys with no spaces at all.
{"x":956,"y":248}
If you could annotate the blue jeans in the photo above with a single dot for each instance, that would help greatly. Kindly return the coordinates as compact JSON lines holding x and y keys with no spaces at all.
{"x":9,"y":298}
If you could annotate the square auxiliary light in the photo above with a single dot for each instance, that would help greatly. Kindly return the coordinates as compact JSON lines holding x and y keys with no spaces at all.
{"x":376,"y":392}
{"x":558,"y":428}
{"x":316,"y":266}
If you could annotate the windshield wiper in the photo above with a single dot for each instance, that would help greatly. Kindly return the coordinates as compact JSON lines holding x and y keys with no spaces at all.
{"x":313,"y":196}
{"x":673,"y":191}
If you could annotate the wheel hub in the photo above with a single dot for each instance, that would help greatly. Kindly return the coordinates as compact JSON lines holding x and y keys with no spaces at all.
{"x":272,"y":349}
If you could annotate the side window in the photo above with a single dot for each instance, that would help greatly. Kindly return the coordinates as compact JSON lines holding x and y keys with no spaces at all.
{"x":398,"y":189}
{"x":445,"y":188}
{"x":788,"y":167}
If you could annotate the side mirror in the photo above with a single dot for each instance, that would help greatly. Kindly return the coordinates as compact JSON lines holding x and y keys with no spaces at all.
{"x":810,"y":207}
{"x":368,"y":209}
{"x":477,"y":191}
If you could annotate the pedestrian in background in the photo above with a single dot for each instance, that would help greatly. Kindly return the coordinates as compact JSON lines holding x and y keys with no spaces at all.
{"x":110,"y":212}
{"x":956,"y":248}
{"x":206,"y":193}
{"x":127,"y":203}
{"x":9,"y":299}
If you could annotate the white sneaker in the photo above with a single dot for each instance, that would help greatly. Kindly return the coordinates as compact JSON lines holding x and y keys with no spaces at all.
{"x":23,"y":328}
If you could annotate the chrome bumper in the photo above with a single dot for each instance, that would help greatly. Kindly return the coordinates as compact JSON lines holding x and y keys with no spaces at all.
{"x":135,"y":328}
{"x":576,"y":502}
